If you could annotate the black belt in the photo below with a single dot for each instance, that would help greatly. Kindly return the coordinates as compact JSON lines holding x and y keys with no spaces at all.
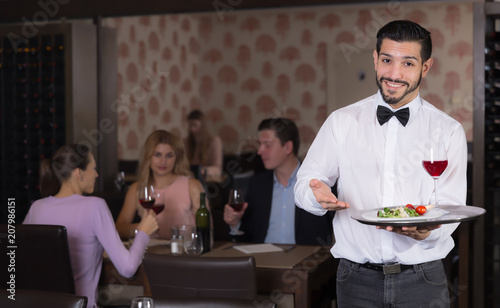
{"x":394,"y":268}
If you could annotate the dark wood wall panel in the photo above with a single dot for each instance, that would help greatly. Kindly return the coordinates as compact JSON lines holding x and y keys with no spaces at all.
{"x":16,"y":10}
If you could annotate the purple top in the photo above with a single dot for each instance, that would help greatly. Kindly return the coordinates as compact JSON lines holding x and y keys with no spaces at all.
{"x":91,"y":230}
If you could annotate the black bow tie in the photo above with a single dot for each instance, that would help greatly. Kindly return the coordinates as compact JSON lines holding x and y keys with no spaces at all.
{"x":384,"y":114}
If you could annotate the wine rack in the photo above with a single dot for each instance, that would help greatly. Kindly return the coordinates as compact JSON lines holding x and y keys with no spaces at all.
{"x":32,"y":110}
{"x":49,"y":93}
{"x":484,"y":287}
{"x":492,"y":164}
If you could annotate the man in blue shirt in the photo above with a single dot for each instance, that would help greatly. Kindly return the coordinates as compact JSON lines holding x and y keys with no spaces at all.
{"x":269,"y":214}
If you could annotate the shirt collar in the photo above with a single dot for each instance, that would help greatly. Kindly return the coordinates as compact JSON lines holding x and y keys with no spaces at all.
{"x":292,"y":177}
{"x":414,"y":105}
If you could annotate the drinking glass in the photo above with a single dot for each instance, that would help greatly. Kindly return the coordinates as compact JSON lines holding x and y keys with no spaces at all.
{"x":236,"y":201}
{"x":120,"y":180}
{"x":147,"y":196}
{"x":142,"y":302}
{"x":193,"y":244}
{"x":435,"y":162}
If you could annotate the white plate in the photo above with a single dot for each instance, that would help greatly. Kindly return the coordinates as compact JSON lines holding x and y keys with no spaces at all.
{"x":372,"y":215}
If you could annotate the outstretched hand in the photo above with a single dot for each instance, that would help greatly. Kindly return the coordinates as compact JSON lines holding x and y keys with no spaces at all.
{"x":325,"y":197}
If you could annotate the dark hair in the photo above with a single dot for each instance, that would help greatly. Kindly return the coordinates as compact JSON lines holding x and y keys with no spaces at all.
{"x":195,"y":115}
{"x":54,"y":171}
{"x":406,"y":31}
{"x":285,"y":130}
{"x":206,"y":139}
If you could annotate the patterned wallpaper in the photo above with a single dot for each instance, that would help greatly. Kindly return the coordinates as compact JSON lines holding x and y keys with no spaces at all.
{"x":240,"y":67}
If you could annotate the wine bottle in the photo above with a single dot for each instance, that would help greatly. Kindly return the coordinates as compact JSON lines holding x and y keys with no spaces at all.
{"x":492,"y":125}
{"x":203,"y":224}
{"x":492,"y":162}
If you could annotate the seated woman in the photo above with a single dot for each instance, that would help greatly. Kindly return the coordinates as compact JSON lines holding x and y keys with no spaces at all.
{"x":202,"y":148}
{"x":91,"y":230}
{"x":164,"y":165}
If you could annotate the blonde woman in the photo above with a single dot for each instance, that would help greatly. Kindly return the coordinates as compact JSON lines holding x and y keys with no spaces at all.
{"x":164,"y":165}
{"x":202,"y":148}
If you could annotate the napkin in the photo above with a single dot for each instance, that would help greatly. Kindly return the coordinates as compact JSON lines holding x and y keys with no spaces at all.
{"x":258,"y":248}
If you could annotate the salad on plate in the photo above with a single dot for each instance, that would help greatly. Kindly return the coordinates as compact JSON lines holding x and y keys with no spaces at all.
{"x":404,"y":212}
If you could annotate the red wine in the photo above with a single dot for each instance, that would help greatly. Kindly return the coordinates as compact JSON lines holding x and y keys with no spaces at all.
{"x":147,"y":203}
{"x":158,"y":208}
{"x":435,"y":168}
{"x":237,"y":206}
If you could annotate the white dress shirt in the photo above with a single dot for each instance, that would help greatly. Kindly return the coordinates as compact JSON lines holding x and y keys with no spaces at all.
{"x":378,"y":166}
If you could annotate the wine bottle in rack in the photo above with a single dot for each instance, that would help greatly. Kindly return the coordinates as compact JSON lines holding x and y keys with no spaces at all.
{"x":492,"y":162}
{"x":492,"y":144}
{"x":492,"y":89}
{"x":492,"y":125}
{"x":492,"y":107}
{"x":492,"y":179}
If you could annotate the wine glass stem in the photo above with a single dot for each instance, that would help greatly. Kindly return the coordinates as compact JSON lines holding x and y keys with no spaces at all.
{"x":435,"y":193}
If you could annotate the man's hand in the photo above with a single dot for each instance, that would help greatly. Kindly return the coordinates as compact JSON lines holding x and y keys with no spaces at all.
{"x":325,"y":197}
{"x":232,"y":217}
{"x":418,"y":233}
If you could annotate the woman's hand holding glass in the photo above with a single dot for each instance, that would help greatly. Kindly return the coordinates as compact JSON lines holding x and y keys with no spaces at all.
{"x":148,"y":224}
{"x":150,"y":199}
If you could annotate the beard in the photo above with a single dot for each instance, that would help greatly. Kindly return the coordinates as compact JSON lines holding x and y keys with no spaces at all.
{"x":394,"y":100}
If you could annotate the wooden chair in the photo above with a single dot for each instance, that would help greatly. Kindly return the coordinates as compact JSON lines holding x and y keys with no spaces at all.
{"x":39,"y":255}
{"x":209,"y":277}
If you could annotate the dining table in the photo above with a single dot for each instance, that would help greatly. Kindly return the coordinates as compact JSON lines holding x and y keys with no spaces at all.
{"x":306,"y":272}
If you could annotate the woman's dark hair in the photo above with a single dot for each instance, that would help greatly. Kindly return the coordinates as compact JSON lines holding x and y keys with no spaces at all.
{"x":54,"y":171}
{"x":406,"y":31}
{"x":206,"y":138}
{"x":285,"y":130}
{"x":195,"y":115}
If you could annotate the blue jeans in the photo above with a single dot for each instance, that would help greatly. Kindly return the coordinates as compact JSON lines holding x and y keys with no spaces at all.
{"x":423,"y":285}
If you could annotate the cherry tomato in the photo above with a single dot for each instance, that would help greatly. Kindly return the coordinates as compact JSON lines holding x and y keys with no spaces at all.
{"x":409,"y":206}
{"x":421,"y":210}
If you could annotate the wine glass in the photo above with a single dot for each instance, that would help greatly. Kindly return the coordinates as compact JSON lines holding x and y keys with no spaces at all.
{"x":193,"y":243}
{"x":435,"y":162}
{"x":147,"y":196}
{"x":159,"y":205}
{"x":236,"y":202}
{"x":142,"y":302}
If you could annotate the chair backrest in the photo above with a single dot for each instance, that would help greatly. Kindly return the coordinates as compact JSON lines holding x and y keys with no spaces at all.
{"x":199,"y":302}
{"x":191,"y":276}
{"x":40,"y":299}
{"x":39,"y":255}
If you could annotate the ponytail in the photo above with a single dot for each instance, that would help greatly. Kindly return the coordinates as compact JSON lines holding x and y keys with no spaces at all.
{"x":49,"y":185}
{"x":53,"y":172}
